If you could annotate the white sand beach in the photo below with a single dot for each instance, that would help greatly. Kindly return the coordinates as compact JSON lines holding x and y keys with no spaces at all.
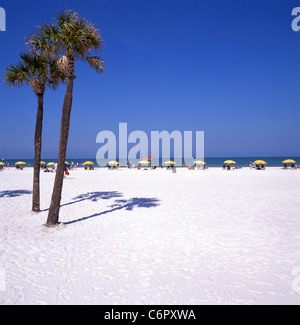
{"x":152,"y":237}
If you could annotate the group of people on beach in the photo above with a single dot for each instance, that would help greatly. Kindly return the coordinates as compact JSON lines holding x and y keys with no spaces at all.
{"x":293,"y":166}
{"x":255,"y":166}
{"x":229,"y":167}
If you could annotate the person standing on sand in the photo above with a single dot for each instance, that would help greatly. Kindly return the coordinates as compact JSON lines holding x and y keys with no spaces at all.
{"x":251,"y":164}
{"x":66,"y":171}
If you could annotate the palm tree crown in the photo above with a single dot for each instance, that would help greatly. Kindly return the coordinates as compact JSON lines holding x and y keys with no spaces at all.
{"x":69,"y":39}
{"x":36,"y":70}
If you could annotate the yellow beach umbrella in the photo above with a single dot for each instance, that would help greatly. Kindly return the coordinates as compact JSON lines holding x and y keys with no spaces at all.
{"x":289,"y":161}
{"x":170,"y":163}
{"x":260,"y":162}
{"x":20,"y":163}
{"x":144,"y":162}
{"x":199,"y":162}
{"x":88,"y":163}
{"x":67,"y":163}
{"x":229,"y":162}
{"x":2,"y":164}
{"x":51,"y":164}
{"x":113,"y":163}
{"x":43,"y":163}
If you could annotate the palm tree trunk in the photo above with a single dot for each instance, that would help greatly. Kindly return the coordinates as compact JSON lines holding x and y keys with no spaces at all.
{"x":53,"y":216}
{"x":37,"y":154}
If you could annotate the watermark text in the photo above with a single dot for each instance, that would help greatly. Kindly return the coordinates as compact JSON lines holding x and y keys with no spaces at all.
{"x":2,"y":20}
{"x":182,"y":146}
{"x":296,"y":281}
{"x":2,"y":280}
{"x":296,"y":21}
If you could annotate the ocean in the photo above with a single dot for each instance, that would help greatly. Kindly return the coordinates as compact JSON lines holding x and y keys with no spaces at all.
{"x":210,"y":162}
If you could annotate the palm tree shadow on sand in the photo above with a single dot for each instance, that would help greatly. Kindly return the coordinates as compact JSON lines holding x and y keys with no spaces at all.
{"x":128,"y":205}
{"x":93,"y":197}
{"x":14,"y":193}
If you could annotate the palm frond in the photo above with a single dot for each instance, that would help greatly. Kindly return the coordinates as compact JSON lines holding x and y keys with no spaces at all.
{"x":45,"y":39}
{"x":79,"y":37}
{"x":16,"y":75}
{"x":68,"y":39}
{"x":34,"y":69}
{"x":56,"y":75}
{"x":96,"y":63}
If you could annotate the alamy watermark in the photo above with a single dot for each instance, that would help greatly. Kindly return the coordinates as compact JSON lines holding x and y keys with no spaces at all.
{"x":2,"y":280}
{"x":137,"y":146}
{"x":296,"y":281}
{"x":296,"y":21}
{"x":2,"y":20}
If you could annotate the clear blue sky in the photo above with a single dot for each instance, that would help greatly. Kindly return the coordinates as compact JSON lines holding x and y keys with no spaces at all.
{"x":230,"y":68}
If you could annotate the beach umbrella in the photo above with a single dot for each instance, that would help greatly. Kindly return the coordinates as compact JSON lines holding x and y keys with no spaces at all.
{"x":113,"y":163}
{"x":51,"y":164}
{"x":144,"y":162}
{"x":229,"y":162}
{"x":20,"y":163}
{"x":260,"y":162}
{"x":289,"y":161}
{"x":2,"y":164}
{"x":67,"y":163}
{"x":199,"y":162}
{"x":88,"y":163}
{"x":170,"y":163}
{"x":43,"y":163}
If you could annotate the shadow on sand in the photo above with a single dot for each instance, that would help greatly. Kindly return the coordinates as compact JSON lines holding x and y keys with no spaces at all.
{"x":14,"y":193}
{"x":93,"y":197}
{"x":128,"y":205}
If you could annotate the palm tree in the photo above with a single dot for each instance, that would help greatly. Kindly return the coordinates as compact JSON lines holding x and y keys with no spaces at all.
{"x":39,"y":72}
{"x":68,"y":39}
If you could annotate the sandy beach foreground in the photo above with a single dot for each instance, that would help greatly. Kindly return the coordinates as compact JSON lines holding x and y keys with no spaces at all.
{"x":153,"y":237}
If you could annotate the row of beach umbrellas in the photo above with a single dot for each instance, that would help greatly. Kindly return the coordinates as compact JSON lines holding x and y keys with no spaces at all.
{"x":145,"y":162}
{"x":257,"y":162}
{"x":49,"y":164}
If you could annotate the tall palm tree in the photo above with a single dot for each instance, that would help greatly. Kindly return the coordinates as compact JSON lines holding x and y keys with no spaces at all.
{"x":69,"y":39}
{"x":39,"y":72}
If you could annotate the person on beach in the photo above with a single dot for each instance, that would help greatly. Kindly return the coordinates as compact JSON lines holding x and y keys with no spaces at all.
{"x":66,"y":169}
{"x":251,"y":164}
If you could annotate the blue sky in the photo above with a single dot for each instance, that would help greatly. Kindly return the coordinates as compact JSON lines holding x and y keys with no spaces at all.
{"x":229,"y":68}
